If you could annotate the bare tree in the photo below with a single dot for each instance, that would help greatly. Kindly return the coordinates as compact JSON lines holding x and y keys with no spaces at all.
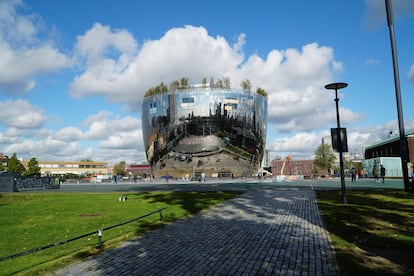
{"x":227,"y":83}
{"x":204,"y":82}
{"x":174,"y":86}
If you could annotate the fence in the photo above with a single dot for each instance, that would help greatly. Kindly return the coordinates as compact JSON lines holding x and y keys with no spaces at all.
{"x":99,"y":233}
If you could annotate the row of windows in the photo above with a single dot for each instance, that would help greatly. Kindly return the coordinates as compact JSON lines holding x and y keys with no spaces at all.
{"x":80,"y":166}
{"x":188,"y":100}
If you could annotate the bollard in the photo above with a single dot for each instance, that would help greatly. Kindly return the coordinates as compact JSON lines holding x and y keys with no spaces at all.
{"x":100,"y":237}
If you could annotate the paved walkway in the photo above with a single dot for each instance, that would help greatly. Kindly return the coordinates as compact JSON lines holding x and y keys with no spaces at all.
{"x":266,"y":232}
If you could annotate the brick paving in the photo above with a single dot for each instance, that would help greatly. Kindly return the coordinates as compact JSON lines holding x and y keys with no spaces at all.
{"x":263,"y":232}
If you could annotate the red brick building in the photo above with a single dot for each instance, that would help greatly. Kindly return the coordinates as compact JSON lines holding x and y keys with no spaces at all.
{"x":139,"y":169}
{"x":293,"y":167}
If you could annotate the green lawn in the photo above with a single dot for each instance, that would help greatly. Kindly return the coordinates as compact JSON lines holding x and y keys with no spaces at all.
{"x":374,"y":233}
{"x":32,"y":220}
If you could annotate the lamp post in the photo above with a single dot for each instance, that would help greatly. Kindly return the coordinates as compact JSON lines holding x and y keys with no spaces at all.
{"x":403,"y":139}
{"x":336,"y":86}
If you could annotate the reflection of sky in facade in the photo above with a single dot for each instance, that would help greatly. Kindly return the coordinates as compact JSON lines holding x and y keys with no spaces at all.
{"x":208,"y":101}
{"x":237,"y":103}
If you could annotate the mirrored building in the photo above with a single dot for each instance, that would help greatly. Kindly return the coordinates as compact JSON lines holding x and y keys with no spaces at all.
{"x":202,"y":131}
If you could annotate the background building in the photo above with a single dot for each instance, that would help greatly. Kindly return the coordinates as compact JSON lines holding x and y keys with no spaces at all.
{"x":3,"y":160}
{"x":48,"y":168}
{"x":289,"y":167}
{"x":388,"y":153}
{"x":141,"y":170}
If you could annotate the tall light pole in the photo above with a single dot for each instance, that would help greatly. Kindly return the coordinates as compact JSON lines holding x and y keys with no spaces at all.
{"x":403,"y":140}
{"x":336,"y":86}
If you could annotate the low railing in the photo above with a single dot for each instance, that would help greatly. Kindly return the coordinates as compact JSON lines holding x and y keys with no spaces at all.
{"x":99,"y":233}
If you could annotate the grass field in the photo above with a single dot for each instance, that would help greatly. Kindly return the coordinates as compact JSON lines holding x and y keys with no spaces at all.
{"x":32,"y":220}
{"x":374,"y":233}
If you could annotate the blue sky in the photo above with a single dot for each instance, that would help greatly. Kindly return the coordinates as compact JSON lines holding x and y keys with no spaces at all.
{"x":73,"y":73}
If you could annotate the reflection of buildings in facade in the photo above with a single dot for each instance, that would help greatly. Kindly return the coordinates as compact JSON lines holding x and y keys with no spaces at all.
{"x":204,"y":130}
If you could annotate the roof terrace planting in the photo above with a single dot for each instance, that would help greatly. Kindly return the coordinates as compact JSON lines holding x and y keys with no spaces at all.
{"x":183,"y":86}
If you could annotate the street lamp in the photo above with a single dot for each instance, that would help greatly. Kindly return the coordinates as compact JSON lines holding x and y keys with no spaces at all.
{"x":403,"y":139}
{"x":336,"y":86}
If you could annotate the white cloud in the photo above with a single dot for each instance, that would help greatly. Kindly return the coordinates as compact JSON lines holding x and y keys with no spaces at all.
{"x":112,"y":65}
{"x":291,"y":77}
{"x":21,"y":114}
{"x":68,"y":134}
{"x":114,"y":134}
{"x":23,"y":56}
{"x":102,"y":125}
{"x":303,"y":145}
{"x":187,"y":51}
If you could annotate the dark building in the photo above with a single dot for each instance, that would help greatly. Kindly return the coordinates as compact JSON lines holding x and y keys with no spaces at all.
{"x":391,"y":147}
{"x":388,"y":153}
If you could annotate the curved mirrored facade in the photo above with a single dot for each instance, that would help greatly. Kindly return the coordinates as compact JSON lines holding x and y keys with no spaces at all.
{"x":204,"y":132}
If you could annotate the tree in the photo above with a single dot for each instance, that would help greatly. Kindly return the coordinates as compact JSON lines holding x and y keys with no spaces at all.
{"x":119,"y":169}
{"x":33,"y":168}
{"x":220,"y":84}
{"x":212,"y":82}
{"x":204,"y":82}
{"x":324,"y":157}
{"x":14,"y":165}
{"x":184,"y":83}
{"x":246,"y":85}
{"x":227,"y":83}
{"x":261,"y":91}
{"x":174,"y":85}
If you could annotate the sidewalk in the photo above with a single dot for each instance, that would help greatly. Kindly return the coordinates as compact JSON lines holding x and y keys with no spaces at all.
{"x":266,"y":232}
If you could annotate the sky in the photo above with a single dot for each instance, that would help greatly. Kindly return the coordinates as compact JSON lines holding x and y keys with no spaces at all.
{"x":73,"y":73}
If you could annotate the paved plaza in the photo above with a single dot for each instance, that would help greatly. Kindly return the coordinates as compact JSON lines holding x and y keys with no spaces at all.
{"x":262,"y":232}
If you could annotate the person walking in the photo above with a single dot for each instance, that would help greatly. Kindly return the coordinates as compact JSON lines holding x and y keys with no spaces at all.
{"x":375,"y":173}
{"x":382,"y":169}
{"x":353,"y":174}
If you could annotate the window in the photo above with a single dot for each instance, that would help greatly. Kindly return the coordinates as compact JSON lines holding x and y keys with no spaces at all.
{"x":187,"y":100}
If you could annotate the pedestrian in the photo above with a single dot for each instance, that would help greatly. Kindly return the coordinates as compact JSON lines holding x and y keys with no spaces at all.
{"x":115,"y":179}
{"x":382,"y":173}
{"x":375,"y":173}
{"x":353,"y":174}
